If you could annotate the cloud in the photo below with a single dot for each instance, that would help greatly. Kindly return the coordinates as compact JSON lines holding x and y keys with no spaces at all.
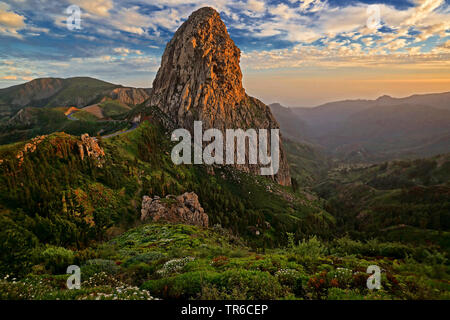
{"x":338,"y":55}
{"x":126,"y":37}
{"x":256,"y":6}
{"x":99,"y":8}
{"x":10,"y":22}
{"x":424,"y":8}
{"x":310,"y":5}
{"x":396,"y":44}
{"x":125,"y":51}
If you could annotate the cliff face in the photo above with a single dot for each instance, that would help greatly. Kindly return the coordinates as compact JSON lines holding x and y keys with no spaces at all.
{"x":200,"y":79}
{"x":130,"y":96}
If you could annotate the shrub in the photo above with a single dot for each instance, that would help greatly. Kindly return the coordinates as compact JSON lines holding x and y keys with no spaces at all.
{"x":57,"y":259}
{"x":185,"y":286}
{"x":174,"y":266}
{"x":309,"y":252}
{"x":298,"y":289}
{"x":342,"y":276}
{"x":144,"y":258}
{"x":231,"y":284}
{"x":95,"y":266}
{"x":16,"y":248}
{"x":311,"y":247}
{"x":318,"y":285}
{"x":219,"y":261}
{"x":287,"y":277}
{"x":212,"y":293}
{"x":394,"y":250}
{"x":259,"y":285}
{"x":341,"y":294}
{"x":347,"y":246}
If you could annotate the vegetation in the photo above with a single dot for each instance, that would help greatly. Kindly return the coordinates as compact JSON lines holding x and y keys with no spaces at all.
{"x":113,"y":108}
{"x":39,"y":121}
{"x":405,"y":201}
{"x":308,"y":165}
{"x":185,"y":262}
{"x":266,"y":241}
{"x":66,"y":201}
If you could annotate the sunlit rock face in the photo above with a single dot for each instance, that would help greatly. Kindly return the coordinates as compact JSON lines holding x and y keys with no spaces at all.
{"x":200,"y":79}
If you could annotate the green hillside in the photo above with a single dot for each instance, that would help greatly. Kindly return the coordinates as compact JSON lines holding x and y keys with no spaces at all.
{"x":184,"y":262}
{"x":32,"y":122}
{"x":53,"y":196}
{"x":86,"y":90}
{"x":113,"y":108}
{"x":58,"y":208}
{"x":407,"y":201}
{"x":307,"y":163}
{"x":54,"y":92}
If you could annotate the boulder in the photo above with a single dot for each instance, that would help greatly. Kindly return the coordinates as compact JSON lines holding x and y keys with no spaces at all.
{"x":185,"y":209}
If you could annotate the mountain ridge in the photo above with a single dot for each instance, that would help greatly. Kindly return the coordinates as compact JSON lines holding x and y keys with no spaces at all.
{"x":382,"y":129}
{"x":65,"y":92}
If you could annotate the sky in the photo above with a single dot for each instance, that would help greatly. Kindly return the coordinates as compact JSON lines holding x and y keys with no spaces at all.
{"x":296,"y":52}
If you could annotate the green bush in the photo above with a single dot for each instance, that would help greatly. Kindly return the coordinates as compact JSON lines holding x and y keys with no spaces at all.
{"x":347,"y":246}
{"x":57,"y":259}
{"x":144,"y":258}
{"x":174,"y":266}
{"x":311,"y":247}
{"x":309,"y":252}
{"x":95,"y":266}
{"x":185,"y":286}
{"x":258,"y":285}
{"x":16,"y":248}
{"x":255,"y":284}
{"x":287,"y":277}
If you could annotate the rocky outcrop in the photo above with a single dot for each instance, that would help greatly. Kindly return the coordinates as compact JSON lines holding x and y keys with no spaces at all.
{"x":23,"y":118}
{"x":28,"y":148}
{"x":130,"y":96}
{"x":200,"y":79}
{"x":89,"y":147}
{"x":184,"y":209}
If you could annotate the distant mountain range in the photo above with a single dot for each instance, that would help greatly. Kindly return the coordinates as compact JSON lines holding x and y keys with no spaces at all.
{"x":56,"y":92}
{"x":373,"y":130}
{"x":352,"y":130}
{"x":47,"y":105}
